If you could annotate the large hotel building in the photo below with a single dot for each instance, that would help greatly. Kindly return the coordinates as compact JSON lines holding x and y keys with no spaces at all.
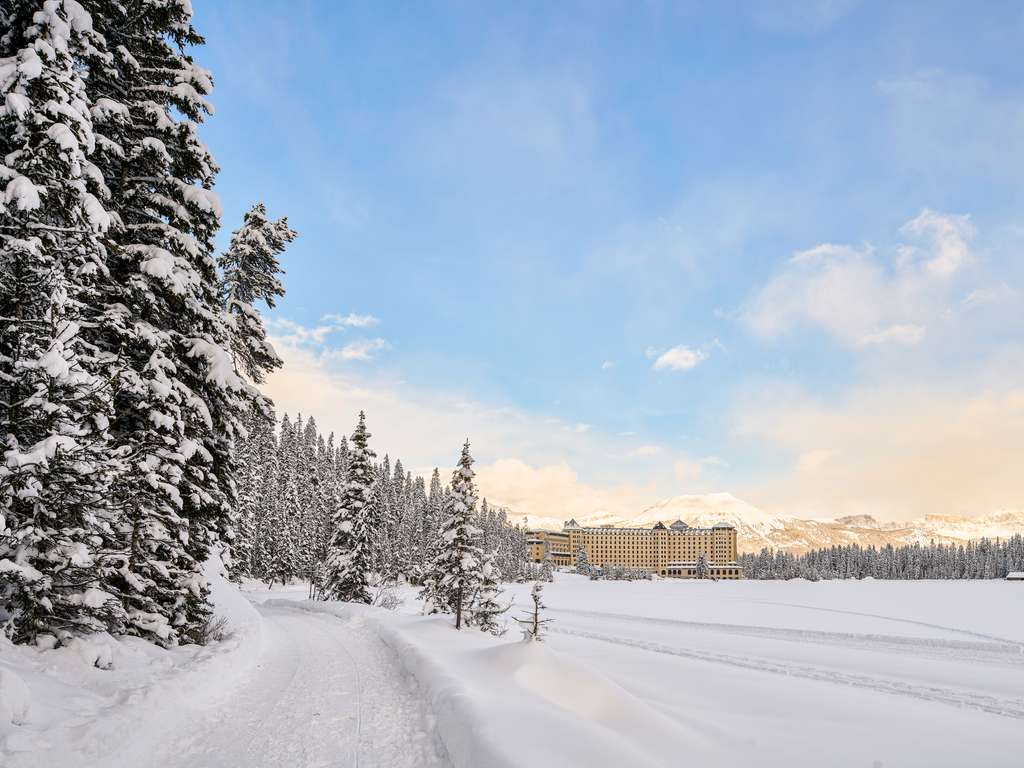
{"x":671,"y":551}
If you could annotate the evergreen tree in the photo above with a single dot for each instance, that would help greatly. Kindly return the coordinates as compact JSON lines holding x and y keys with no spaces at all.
{"x":347,"y":566}
{"x":54,"y":399}
{"x":455,"y":571}
{"x":250,"y":270}
{"x":486,"y":609}
{"x":177,"y":400}
{"x":582,"y":564}
{"x":703,"y":569}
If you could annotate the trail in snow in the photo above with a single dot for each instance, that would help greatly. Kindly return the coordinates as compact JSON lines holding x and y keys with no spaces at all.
{"x":326,"y":692}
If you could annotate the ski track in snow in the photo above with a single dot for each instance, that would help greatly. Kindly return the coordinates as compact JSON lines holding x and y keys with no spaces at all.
{"x":912,"y":622}
{"x":1007,"y":707}
{"x":326,"y":692}
{"x":992,"y":650}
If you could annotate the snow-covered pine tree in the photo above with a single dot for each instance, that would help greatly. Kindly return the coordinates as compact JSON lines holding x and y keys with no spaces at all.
{"x":249,"y":487}
{"x":177,"y":400}
{"x":703,"y":570}
{"x":431,"y":543}
{"x":347,"y":566}
{"x":307,"y":513}
{"x":486,"y":609}
{"x":533,"y":622}
{"x":249,"y":274}
{"x":582,"y":563}
{"x":282,"y":520}
{"x":54,"y":399}
{"x":264,"y":493}
{"x":455,"y":572}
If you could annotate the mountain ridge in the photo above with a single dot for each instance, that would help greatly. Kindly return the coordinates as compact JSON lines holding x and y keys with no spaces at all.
{"x":756,"y":529}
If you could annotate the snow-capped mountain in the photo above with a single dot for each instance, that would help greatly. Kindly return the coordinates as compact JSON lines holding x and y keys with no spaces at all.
{"x":757,"y":529}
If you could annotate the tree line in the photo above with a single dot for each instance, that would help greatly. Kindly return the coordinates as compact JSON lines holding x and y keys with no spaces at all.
{"x":134,"y":439}
{"x":304,"y":498}
{"x":982,"y":559}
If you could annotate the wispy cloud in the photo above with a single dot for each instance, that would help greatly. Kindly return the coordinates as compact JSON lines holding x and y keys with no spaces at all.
{"x":364,"y":349}
{"x":290,"y":332}
{"x":862,"y":297}
{"x":948,"y":237}
{"x":905,"y":334}
{"x":645,"y":450}
{"x":351,"y":320}
{"x":688,"y":470}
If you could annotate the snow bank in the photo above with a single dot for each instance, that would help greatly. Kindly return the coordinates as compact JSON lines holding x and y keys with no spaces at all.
{"x":501,"y":702}
{"x":101,"y":701}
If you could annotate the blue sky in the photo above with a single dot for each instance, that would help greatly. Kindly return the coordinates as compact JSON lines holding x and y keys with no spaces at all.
{"x":813,"y":207}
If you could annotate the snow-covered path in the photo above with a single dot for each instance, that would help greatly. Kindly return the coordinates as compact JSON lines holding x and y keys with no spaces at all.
{"x":326,"y":692}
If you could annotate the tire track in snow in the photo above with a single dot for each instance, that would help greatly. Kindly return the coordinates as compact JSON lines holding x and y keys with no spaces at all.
{"x":1013,"y":708}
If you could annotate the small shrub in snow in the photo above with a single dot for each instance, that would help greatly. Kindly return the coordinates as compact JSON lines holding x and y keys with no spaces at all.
{"x":386,"y":597}
{"x":619,"y":573}
{"x":533,"y":625}
{"x":213,"y":630}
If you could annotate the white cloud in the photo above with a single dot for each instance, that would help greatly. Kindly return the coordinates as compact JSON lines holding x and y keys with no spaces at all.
{"x":426,"y":428}
{"x":290,"y":332}
{"x":691,"y":470}
{"x":948,"y":237}
{"x":861,"y":297}
{"x":813,"y":460}
{"x":895,"y":450}
{"x":645,"y":450}
{"x":990,"y":295}
{"x":905,"y":334}
{"x":679,"y":358}
{"x":363,"y":349}
{"x":555,"y":491}
{"x":351,"y":320}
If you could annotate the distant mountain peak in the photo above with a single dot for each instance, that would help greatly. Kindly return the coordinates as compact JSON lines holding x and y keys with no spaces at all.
{"x":756,"y":529}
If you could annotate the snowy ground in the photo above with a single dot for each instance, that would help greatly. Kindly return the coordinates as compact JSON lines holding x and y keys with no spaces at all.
{"x":633,"y":673}
{"x":795,"y":673}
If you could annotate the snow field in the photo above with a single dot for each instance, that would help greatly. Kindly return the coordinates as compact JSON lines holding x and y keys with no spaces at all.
{"x":798,"y":673}
{"x":662,"y":673}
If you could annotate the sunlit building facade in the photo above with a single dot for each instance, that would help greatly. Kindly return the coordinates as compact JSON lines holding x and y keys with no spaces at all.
{"x":673,"y":551}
